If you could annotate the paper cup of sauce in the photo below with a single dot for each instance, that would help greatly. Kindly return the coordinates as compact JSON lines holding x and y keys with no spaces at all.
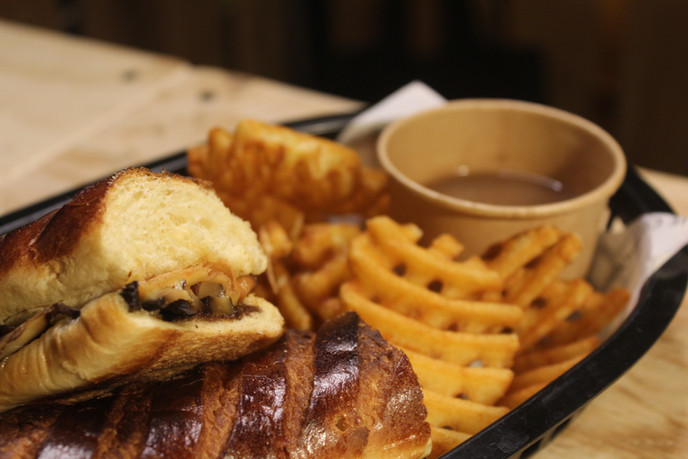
{"x":486,"y":169}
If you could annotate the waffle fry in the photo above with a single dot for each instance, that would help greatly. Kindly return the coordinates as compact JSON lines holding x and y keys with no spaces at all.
{"x":528,"y":282}
{"x":528,"y":383}
{"x":452,"y":279}
{"x":555,"y":354}
{"x":417,"y":301}
{"x":480,"y":332}
{"x":460,"y":415}
{"x":445,"y":439}
{"x":304,"y":274}
{"x":267,"y":172}
{"x":493,"y":350}
{"x":595,"y":314}
{"x":508,"y":256}
{"x":477,"y":384}
{"x":558,"y":301}
{"x":428,"y":303}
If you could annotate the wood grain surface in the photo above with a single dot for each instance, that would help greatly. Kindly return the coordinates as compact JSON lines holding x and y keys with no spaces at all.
{"x":61,"y":127}
{"x":55,"y":94}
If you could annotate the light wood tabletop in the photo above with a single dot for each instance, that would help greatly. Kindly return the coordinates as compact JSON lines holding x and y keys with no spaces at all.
{"x":75,"y":110}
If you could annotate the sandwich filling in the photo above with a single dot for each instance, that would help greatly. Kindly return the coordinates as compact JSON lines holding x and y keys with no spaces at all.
{"x":197,"y":291}
{"x":186,"y":293}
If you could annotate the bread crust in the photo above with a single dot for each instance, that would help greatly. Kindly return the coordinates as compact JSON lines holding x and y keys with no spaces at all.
{"x":280,"y":402}
{"x":57,"y":234}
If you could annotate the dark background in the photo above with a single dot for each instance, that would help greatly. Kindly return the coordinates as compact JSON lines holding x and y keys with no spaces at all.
{"x":620,"y":63}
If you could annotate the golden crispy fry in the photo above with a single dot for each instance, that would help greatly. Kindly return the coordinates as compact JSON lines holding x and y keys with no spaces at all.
{"x":460,"y":415}
{"x":267,"y":172}
{"x":416,"y":301}
{"x":595,"y":314}
{"x":315,"y":288}
{"x":369,"y":198}
{"x":319,"y":266}
{"x":544,"y":374}
{"x":275,"y":241}
{"x":290,"y":306}
{"x":516,"y":252}
{"x":528,"y":383}
{"x":400,"y":288}
{"x":554,"y":305}
{"x":444,"y":440}
{"x":315,"y":172}
{"x":529,"y":281}
{"x":319,"y":242}
{"x":479,"y":384}
{"x":493,"y":350}
{"x":515,"y":398}
{"x":555,"y":354}
{"x":259,"y":157}
{"x":446,"y":246}
{"x":458,"y":280}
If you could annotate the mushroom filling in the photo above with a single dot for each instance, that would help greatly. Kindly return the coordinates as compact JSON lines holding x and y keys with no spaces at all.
{"x":14,"y":338}
{"x":216,"y":294}
{"x":172,"y":296}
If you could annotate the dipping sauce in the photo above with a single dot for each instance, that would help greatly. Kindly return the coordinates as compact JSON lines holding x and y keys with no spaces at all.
{"x":501,"y":187}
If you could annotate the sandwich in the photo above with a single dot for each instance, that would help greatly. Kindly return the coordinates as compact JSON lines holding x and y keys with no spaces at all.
{"x":138,"y":278}
{"x":342,"y":391}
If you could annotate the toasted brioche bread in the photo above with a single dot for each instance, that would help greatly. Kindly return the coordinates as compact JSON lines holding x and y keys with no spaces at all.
{"x":138,"y":277}
{"x":111,"y":345}
{"x":341,"y":392}
{"x":133,"y":226}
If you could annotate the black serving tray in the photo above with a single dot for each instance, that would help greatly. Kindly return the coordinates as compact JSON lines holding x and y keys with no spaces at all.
{"x":529,"y":427}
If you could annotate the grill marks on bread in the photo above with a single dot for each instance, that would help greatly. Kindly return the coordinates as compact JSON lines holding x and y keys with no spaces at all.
{"x":330,"y":431}
{"x":272,"y":399}
{"x":76,"y":434}
{"x":57,"y":234}
{"x":279,"y":402}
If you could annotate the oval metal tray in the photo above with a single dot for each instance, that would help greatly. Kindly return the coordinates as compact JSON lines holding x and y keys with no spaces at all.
{"x":533,"y":424}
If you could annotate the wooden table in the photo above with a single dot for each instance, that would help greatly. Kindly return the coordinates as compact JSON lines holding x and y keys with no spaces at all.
{"x":73,"y":110}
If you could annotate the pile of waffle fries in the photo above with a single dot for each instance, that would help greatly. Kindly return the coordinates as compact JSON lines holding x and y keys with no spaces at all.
{"x":483,"y":333}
